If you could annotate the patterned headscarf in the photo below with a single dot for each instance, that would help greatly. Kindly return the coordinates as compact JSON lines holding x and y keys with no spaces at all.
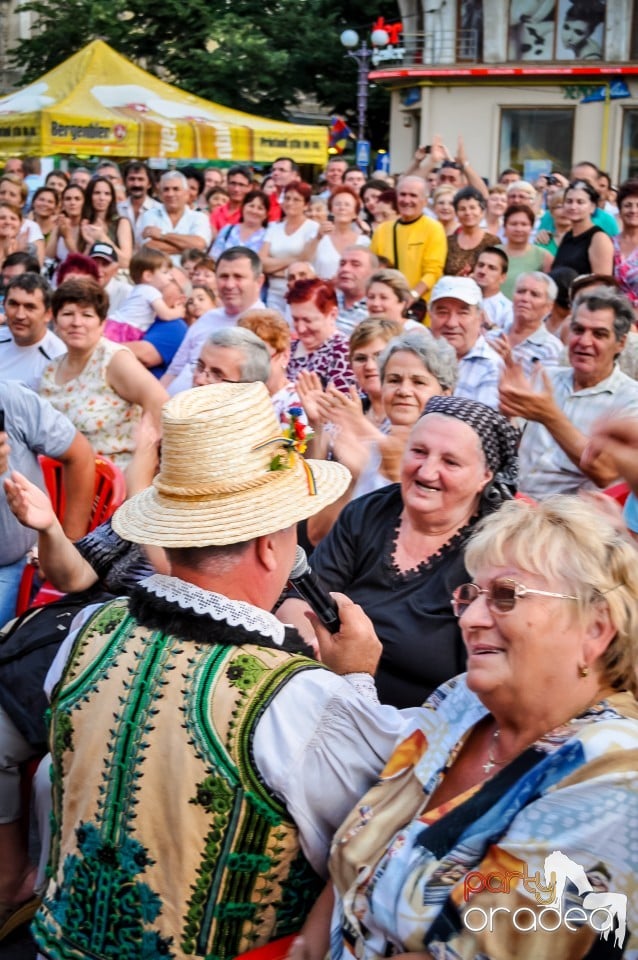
{"x":499,"y":440}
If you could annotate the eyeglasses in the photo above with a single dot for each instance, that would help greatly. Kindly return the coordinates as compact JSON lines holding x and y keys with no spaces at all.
{"x":212,"y":374}
{"x":501,"y":595}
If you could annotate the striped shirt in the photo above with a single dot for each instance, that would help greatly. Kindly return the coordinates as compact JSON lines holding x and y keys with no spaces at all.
{"x":479,"y":373}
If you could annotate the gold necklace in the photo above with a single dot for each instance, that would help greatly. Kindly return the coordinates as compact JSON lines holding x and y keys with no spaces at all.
{"x":492,"y":762}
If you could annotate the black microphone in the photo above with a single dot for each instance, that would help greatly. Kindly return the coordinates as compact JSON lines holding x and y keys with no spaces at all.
{"x":307,"y":586}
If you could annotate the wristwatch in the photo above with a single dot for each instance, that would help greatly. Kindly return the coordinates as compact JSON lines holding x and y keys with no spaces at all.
{"x":415,"y":294}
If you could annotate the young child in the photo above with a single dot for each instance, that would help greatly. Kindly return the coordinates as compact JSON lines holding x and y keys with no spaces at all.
{"x":201,"y":300}
{"x":150,"y":271}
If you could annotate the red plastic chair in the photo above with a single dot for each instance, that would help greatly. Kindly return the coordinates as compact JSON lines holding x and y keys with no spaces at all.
{"x":109,"y":493}
{"x":619,"y":492}
{"x":275,"y":950}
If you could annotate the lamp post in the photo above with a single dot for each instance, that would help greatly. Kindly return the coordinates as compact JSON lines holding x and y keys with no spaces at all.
{"x":350,"y":40}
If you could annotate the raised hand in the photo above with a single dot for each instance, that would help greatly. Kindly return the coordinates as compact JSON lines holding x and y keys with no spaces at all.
{"x":30,"y":505}
{"x":519,"y":398}
{"x":310,"y":390}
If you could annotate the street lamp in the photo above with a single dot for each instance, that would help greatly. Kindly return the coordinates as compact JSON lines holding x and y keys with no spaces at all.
{"x":350,"y":40}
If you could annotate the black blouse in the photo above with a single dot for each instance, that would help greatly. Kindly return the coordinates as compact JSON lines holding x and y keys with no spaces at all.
{"x":574,"y":251}
{"x":411,"y":611}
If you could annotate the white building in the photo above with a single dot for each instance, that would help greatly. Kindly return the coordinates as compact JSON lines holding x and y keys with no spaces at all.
{"x":16,"y":23}
{"x":511,"y":77}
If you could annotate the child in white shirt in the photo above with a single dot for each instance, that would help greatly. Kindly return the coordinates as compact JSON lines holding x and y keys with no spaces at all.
{"x":150,"y":271}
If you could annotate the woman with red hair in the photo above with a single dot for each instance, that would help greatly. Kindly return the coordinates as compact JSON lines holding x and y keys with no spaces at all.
{"x":320,"y":347}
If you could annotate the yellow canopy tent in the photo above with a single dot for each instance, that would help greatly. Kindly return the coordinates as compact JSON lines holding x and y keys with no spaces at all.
{"x":99,"y":102}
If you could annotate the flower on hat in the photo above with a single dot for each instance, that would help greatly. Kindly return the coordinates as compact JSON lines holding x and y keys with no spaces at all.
{"x":294,"y":437}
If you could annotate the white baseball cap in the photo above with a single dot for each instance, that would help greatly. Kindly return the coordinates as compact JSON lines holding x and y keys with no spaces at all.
{"x":458,"y":288}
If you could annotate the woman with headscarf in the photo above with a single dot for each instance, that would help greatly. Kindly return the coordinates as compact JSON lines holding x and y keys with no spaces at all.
{"x":399,"y":551}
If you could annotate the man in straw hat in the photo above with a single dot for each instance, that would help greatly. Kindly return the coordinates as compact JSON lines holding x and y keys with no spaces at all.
{"x":186,"y":780}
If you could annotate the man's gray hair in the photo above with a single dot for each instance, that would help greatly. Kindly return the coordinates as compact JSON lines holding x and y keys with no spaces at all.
{"x":104,"y":165}
{"x":373,"y":259}
{"x":437,"y":356}
{"x":411,"y":176}
{"x":173,"y":175}
{"x":603,"y":298}
{"x":256,"y":363}
{"x":523,"y":185}
{"x":551,"y":286}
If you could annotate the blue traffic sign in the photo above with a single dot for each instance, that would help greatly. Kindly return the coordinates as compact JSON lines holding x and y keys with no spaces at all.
{"x":363,"y":153}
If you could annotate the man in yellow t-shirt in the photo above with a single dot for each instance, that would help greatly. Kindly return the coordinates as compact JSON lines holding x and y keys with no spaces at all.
{"x":413,"y":243}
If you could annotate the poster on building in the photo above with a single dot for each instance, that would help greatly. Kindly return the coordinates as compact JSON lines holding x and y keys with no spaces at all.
{"x":581,"y":30}
{"x":532,"y":27}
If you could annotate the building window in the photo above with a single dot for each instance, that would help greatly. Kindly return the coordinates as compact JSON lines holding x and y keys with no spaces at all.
{"x":629,"y":152}
{"x":534,"y":135}
{"x":556,"y":29}
{"x":470,"y":30}
{"x":633,"y":55}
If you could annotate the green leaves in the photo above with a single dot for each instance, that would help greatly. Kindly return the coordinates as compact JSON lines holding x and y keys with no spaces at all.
{"x":261,"y":57}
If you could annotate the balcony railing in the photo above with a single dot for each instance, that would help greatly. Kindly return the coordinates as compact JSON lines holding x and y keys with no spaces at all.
{"x":430,"y":49}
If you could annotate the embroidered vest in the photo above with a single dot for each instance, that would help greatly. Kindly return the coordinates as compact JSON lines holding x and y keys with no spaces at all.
{"x":165,"y":841}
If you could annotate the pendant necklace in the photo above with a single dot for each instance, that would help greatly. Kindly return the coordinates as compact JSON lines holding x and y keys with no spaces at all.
{"x":491,"y":761}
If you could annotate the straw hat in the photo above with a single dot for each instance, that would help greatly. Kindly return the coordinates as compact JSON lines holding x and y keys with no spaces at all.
{"x":228,"y":473}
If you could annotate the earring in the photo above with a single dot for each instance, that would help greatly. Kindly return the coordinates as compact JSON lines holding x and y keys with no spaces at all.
{"x":584,"y":670}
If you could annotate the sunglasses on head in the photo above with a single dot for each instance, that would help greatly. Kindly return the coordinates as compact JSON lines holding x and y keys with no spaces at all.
{"x":501,"y":595}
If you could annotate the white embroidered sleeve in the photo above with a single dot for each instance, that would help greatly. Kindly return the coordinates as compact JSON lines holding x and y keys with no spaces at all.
{"x":319,"y":746}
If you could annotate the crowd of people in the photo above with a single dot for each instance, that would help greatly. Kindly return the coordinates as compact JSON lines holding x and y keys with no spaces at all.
{"x":429,"y":384}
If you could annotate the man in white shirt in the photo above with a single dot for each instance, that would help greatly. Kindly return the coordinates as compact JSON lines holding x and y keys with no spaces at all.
{"x":173,"y":227}
{"x":28,"y":346}
{"x":490,"y":273}
{"x":239,"y":281}
{"x":137,"y":181}
{"x":455,"y":314}
{"x":562,"y":405}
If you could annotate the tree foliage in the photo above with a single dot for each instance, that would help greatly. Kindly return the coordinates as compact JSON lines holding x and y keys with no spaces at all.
{"x":261,"y":56}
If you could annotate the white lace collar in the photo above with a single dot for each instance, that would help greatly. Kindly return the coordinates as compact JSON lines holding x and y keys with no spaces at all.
{"x":236,"y":613}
